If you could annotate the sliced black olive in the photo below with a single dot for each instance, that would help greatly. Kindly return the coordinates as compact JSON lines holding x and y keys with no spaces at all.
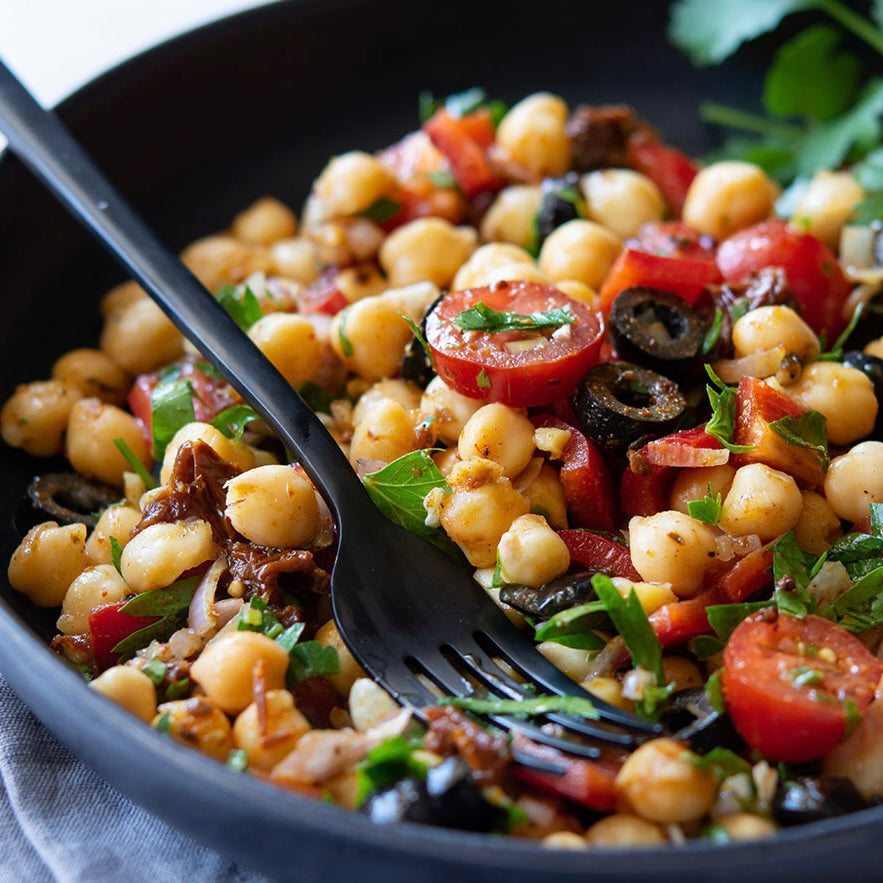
{"x":416,"y":365}
{"x":617,"y":403}
{"x":691,"y":718}
{"x":561,"y":202}
{"x":406,"y":801}
{"x":655,"y":328}
{"x":812,"y":798}
{"x":68,"y":497}
{"x":872,"y":367}
{"x":559,"y":594}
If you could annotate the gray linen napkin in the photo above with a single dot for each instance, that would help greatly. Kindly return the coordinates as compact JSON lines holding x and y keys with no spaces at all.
{"x":60,"y":823}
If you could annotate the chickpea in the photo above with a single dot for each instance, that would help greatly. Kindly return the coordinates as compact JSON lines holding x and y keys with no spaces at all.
{"x":578,"y":291}
{"x":855,"y":480}
{"x":692,"y":484}
{"x":284,"y":725}
{"x":728,"y":196}
{"x":682,"y":671}
{"x":575,"y":663}
{"x":47,"y":561}
{"x":624,"y":829}
{"x":129,"y":688}
{"x":764,"y":328}
{"x":545,"y":494}
{"x":488,"y":258}
{"x":117,"y":522}
{"x":404,"y":392}
{"x":198,"y":724}
{"x":290,"y":343}
{"x":760,"y":501}
{"x":818,"y":526}
{"x":36,"y":415}
{"x":141,"y":338}
{"x":826,"y":205}
{"x":93,"y":587}
{"x":121,"y":296}
{"x":480,"y":509}
{"x":94,"y":373}
{"x":499,"y":433}
{"x":233,"y":452}
{"x":622,"y":200}
{"x":608,"y":690}
{"x":364,"y":280}
{"x":511,"y":216}
{"x":742,"y":826}
{"x":531,"y":553}
{"x":533,"y":135}
{"x":295,"y":259}
{"x":517,"y":272}
{"x":350,"y":183}
{"x":579,"y":250}
{"x":90,"y":447}
{"x":158,"y":555}
{"x":426,"y":249}
{"x":273,"y":506}
{"x":844,"y":395}
{"x":350,"y":670}
{"x":264,"y":222}
{"x":369,"y":704}
{"x":370,"y":337}
{"x":386,"y":432}
{"x":671,"y":547}
{"x":658,"y":783}
{"x":450,"y":409}
{"x":225,"y":668}
{"x":224,"y":260}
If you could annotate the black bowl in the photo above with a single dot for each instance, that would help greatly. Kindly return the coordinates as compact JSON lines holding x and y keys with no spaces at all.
{"x":192,"y":132}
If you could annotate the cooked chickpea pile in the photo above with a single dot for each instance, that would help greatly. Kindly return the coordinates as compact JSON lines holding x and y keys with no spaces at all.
{"x":340,"y":291}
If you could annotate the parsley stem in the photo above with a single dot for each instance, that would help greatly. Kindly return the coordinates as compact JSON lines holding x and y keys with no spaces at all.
{"x":854,"y":22}
{"x":749,"y":122}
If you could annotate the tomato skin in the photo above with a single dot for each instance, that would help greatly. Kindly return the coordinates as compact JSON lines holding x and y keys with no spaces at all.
{"x":685,"y":277}
{"x":673,"y":239}
{"x":670,"y":169}
{"x":597,"y":552}
{"x":463,"y":141}
{"x":585,"y":477}
{"x":813,"y":274}
{"x":108,"y":626}
{"x":323,"y":296}
{"x":780,"y":719}
{"x":479,"y":365}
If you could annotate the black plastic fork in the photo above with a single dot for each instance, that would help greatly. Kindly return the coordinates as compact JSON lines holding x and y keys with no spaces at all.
{"x":409,"y":613}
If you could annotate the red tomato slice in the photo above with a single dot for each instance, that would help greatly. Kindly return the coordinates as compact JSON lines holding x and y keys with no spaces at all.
{"x":598,"y":552}
{"x":585,"y":478}
{"x":464,"y":141}
{"x":495,"y":367}
{"x":812,"y":270}
{"x":108,"y":627}
{"x":673,"y":239}
{"x":685,"y":277}
{"x":670,"y":169}
{"x":787,"y":683}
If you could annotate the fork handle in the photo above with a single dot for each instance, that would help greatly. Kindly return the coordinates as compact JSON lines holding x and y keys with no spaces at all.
{"x":42,"y":142}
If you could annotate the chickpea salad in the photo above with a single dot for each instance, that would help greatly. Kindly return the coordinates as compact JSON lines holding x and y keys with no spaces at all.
{"x":639,"y":404}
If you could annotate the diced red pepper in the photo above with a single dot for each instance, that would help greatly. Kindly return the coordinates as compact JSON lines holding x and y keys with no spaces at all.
{"x":585,"y":477}
{"x":589,"y":783}
{"x":108,"y":626}
{"x":598,"y":552}
{"x":323,"y":296}
{"x":670,"y":169}
{"x":646,"y":492}
{"x":684,"y":277}
{"x":757,"y":406}
{"x":463,"y":141}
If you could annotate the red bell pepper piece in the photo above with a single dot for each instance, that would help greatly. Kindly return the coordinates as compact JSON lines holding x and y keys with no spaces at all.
{"x":670,"y":169}
{"x":108,"y":626}
{"x":588,"y":488}
{"x":685,"y":277}
{"x":589,"y":783}
{"x":647,"y":492}
{"x":463,"y":141}
{"x":598,"y":552}
{"x":323,"y":296}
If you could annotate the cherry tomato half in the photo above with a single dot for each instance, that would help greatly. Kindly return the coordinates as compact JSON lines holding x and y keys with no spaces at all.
{"x":673,"y":239}
{"x":516,"y":368}
{"x":812,"y":270}
{"x":670,"y":169}
{"x":788,"y":683}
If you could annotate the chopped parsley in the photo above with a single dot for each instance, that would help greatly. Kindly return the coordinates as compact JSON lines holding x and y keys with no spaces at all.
{"x":241,"y":305}
{"x":722,"y":424}
{"x":707,"y":509}
{"x":481,"y":317}
{"x":134,"y":463}
{"x":808,"y":430}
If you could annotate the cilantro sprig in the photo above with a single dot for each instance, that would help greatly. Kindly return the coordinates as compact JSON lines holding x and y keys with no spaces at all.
{"x":722,"y":424}
{"x":481,"y":317}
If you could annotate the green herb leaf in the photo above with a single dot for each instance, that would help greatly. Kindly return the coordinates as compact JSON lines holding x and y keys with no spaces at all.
{"x":134,"y":463}
{"x":346,"y":345}
{"x":631,"y":622}
{"x":167,"y":603}
{"x":256,"y":616}
{"x":388,"y":763}
{"x":237,"y":760}
{"x":116,"y":554}
{"x":862,"y":606}
{"x":311,"y":660}
{"x":481,"y":317}
{"x":178,"y":689}
{"x":316,"y":398}
{"x":290,"y":636}
{"x":463,"y":103}
{"x":171,"y":408}
{"x":836,"y":353}
{"x":443,"y":179}
{"x":710,"y":32}
{"x":156,"y":671}
{"x":868,"y":211}
{"x":789,"y":560}
{"x":809,"y":78}
{"x":381,"y":210}
{"x":724,"y":618}
{"x":877,"y":514}
{"x":241,"y":304}
{"x":714,"y":331}
{"x":721,"y":762}
{"x":808,"y":430}
{"x":575,"y":622}
{"x":869,"y":172}
{"x":715,"y":693}
{"x":163,"y":723}
{"x":722,"y":424}
{"x":576,"y":705}
{"x":707,"y":509}
{"x":804,"y":676}
{"x":704,"y":646}
{"x":418,"y":336}
{"x":232,"y":421}
{"x":483,"y":381}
